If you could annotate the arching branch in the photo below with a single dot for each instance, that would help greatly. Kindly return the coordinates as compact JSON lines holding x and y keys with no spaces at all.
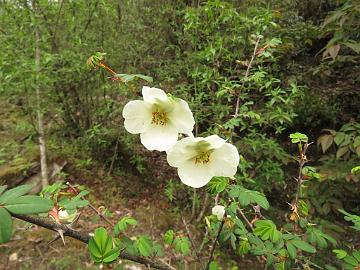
{"x":85,"y":237}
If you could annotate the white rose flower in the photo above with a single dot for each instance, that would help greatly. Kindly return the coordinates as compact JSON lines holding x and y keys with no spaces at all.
{"x":158,"y":119}
{"x":218,"y":211}
{"x":200,"y":159}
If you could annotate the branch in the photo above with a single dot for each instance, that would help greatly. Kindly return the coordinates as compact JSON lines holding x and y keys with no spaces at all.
{"x":85,"y":237}
{"x":243,"y":82}
{"x":214,"y":244}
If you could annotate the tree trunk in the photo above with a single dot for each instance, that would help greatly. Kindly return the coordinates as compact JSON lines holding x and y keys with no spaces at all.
{"x":42,"y":145}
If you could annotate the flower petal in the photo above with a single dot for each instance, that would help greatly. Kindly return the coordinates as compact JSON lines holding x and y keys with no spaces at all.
{"x":159,"y":137}
{"x":137,"y":116}
{"x":218,"y":211}
{"x":195,"y":175}
{"x":182,"y":117}
{"x":225,"y":160}
{"x":151,"y":94}
{"x":182,"y":151}
{"x":215,"y":141}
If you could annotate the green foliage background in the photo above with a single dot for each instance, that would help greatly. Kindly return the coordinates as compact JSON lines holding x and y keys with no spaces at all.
{"x":304,"y":78}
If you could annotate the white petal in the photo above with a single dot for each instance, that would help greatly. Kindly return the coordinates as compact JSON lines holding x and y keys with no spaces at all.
{"x":225,"y":160}
{"x":215,"y":141}
{"x":151,"y":94}
{"x":181,"y":151}
{"x":195,"y":175}
{"x":159,"y":137}
{"x":137,"y":116}
{"x":219,"y":211}
{"x":182,"y":117}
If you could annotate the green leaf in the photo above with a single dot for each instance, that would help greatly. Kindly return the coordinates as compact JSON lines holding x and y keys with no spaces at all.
{"x":266,"y":229}
{"x":244,"y":247}
{"x":5,"y":226}
{"x":123,"y":223}
{"x":325,"y":141}
{"x":185,"y":246}
{"x":246,"y":196}
{"x":111,"y":256}
{"x":340,"y":254}
{"x":130,"y":77}
{"x":300,"y":244}
{"x":339,"y":138}
{"x":356,"y":255}
{"x":102,"y":241}
{"x":14,"y":193}
{"x":298,"y":137}
{"x":342,"y":151}
{"x":2,"y":189}
{"x":351,"y":260}
{"x":169,"y":237}
{"x":291,"y":249}
{"x":144,"y":245}
{"x":94,"y":249}
{"x":28,"y":204}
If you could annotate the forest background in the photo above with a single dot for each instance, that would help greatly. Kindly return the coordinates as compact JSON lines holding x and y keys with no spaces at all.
{"x":304,"y":78}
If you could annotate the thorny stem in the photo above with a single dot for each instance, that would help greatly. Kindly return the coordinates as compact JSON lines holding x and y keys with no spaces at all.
{"x":302,"y":160}
{"x":101,"y":215}
{"x":243,"y":82}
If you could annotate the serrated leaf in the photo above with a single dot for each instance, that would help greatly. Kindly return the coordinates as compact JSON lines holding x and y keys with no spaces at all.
{"x":266,"y":229}
{"x":29,"y":204}
{"x":5,"y":226}
{"x":14,"y":193}
{"x":123,"y":223}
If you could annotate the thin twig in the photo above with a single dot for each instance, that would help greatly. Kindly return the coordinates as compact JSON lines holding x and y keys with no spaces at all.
{"x":245,"y":219}
{"x":243,"y":82}
{"x":214,"y":244}
{"x":193,"y":208}
{"x":101,"y":215}
{"x":114,"y":156}
{"x":205,"y":205}
{"x":191,"y":239}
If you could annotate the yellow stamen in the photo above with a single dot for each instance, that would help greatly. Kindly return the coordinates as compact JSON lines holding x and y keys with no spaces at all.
{"x":203,"y":157}
{"x":159,"y":118}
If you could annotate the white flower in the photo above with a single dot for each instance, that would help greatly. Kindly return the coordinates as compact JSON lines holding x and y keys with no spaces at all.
{"x":200,"y":159}
{"x":158,"y":119}
{"x":65,"y":217}
{"x":218,"y":211}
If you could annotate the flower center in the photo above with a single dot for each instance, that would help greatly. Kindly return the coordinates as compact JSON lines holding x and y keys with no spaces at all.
{"x":203,"y":157}
{"x":159,"y":118}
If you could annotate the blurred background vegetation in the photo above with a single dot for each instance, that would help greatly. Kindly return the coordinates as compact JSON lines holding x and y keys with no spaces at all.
{"x":305,"y":78}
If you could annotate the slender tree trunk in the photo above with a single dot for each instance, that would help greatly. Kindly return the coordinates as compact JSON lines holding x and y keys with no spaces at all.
{"x":42,"y":145}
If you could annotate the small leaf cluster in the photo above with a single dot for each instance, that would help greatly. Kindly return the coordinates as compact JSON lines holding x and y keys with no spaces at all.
{"x":14,"y":201}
